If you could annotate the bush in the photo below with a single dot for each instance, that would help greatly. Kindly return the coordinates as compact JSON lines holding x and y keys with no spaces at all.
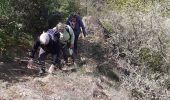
{"x":22,"y":21}
{"x":153,"y":60}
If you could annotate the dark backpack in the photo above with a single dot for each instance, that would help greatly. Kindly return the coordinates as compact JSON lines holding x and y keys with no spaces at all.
{"x":53,"y":34}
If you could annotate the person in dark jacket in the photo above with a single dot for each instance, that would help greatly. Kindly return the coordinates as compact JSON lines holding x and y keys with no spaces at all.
{"x":75,"y":21}
{"x":49,"y":44}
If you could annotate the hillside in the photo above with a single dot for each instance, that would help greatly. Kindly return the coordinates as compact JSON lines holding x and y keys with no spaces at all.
{"x":82,"y":81}
{"x":97,"y":75}
{"x":125,"y":56}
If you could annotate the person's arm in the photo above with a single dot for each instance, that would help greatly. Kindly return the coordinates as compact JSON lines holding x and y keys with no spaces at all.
{"x":34,"y":49}
{"x":82,"y":26}
{"x":72,"y":36}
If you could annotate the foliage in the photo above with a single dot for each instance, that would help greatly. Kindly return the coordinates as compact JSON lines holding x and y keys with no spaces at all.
{"x":108,"y":26}
{"x":138,"y":30}
{"x":138,"y":5}
{"x":69,"y":6}
{"x":23,"y":20}
{"x":154,"y":60}
{"x":4,"y":7}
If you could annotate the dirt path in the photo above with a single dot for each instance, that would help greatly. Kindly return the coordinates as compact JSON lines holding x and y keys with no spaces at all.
{"x":81,"y":84}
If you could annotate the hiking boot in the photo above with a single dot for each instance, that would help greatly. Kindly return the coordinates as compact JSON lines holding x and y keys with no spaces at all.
{"x":60,"y":67}
{"x":51,"y":69}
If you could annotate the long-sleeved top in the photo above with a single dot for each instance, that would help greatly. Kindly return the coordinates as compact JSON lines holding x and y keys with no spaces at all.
{"x":52,"y":47}
{"x":79,"y":24}
{"x":68,"y":35}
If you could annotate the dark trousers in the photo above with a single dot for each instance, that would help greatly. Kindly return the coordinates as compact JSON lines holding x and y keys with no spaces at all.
{"x":75,"y":43}
{"x":42,"y":56}
{"x":65,"y":52}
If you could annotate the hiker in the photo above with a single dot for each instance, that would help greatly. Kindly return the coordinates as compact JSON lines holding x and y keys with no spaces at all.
{"x":75,"y":21}
{"x":67,"y":40}
{"x":49,"y":44}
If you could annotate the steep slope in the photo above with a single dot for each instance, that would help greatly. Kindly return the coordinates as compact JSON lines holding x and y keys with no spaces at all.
{"x":86,"y":80}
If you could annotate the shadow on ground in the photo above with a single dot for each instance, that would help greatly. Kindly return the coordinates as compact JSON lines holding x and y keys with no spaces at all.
{"x":95,"y":51}
{"x":14,"y":72}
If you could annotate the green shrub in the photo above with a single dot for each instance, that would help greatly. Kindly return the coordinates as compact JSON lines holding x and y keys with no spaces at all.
{"x":138,"y":5}
{"x":108,"y":26}
{"x":4,"y":7}
{"x":22,"y":21}
{"x":152,"y":59}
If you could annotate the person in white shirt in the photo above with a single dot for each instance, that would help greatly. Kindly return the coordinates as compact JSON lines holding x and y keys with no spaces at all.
{"x":67,"y":40}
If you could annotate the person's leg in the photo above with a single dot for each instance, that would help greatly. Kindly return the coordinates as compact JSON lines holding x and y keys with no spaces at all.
{"x":57,"y":56}
{"x":56,"y":61}
{"x":65,"y":52}
{"x":70,"y":54}
{"x":41,"y":59}
{"x":75,"y":44}
{"x":73,"y":57}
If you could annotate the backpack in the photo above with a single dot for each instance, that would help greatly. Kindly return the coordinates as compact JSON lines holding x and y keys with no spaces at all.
{"x":53,"y":34}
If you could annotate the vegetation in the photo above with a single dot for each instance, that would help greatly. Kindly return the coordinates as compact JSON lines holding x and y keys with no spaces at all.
{"x":23,"y":20}
{"x":139,"y":29}
{"x":128,"y":39}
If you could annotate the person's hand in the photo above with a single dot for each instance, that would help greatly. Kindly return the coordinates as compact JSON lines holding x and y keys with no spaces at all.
{"x":70,"y":51}
{"x":30,"y":64}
